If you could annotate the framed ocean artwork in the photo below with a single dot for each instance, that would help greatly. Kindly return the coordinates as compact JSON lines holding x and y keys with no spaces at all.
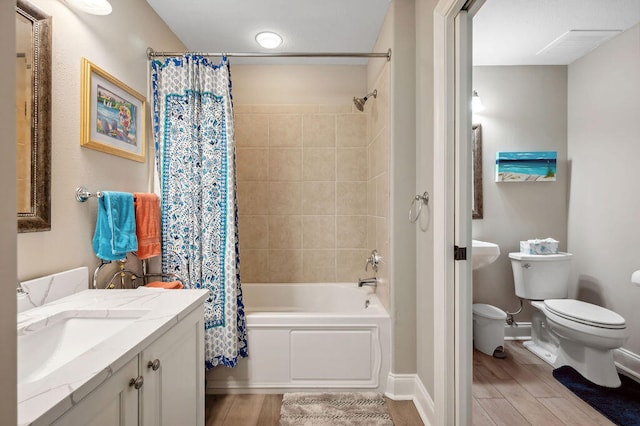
{"x":538,"y":166}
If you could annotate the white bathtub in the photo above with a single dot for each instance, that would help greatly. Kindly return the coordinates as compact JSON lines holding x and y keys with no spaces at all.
{"x":305,"y":337}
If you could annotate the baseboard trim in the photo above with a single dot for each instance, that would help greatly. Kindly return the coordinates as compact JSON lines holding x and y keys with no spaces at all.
{"x":521,"y":332}
{"x":628,"y":362}
{"x":409,"y":387}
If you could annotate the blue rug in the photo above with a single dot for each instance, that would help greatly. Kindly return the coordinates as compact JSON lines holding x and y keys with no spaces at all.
{"x":620,"y":405}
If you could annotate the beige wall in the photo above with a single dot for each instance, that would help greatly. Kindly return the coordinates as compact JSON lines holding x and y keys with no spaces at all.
{"x":424,"y":181}
{"x":398,"y":33}
{"x":604,"y":203}
{"x":526,"y":110}
{"x":8,"y":398}
{"x":117,"y":43}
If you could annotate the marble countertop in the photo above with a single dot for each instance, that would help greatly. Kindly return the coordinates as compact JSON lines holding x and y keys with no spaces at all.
{"x":43,"y":400}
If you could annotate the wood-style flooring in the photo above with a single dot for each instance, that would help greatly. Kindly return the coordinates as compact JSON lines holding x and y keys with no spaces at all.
{"x":264,"y":410}
{"x":518,"y":390}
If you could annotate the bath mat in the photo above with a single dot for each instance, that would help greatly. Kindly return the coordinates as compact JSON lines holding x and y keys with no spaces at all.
{"x":334,"y":409}
{"x":620,"y":405}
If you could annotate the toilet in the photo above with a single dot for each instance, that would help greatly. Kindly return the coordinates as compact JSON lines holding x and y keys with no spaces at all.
{"x":567,"y":331}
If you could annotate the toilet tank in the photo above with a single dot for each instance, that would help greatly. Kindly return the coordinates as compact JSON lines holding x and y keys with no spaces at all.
{"x":540,"y":277}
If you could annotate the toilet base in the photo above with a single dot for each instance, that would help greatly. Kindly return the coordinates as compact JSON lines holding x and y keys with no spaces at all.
{"x":541,"y":352}
{"x":593,"y":364}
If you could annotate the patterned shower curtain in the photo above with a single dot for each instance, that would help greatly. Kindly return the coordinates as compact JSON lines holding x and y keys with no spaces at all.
{"x":195,"y":156}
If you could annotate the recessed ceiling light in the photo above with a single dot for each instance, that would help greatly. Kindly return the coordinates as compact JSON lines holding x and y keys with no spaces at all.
{"x":94,"y":7}
{"x":268,"y":39}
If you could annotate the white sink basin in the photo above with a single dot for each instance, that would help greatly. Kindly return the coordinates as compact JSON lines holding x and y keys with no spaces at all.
{"x":48,"y":344}
{"x":484,"y":253}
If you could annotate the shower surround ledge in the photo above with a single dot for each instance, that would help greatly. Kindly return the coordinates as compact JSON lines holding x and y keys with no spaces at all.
{"x":42,"y":400}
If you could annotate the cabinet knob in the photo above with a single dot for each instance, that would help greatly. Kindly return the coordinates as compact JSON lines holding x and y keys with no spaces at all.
{"x":154,"y":365}
{"x":137,"y":382}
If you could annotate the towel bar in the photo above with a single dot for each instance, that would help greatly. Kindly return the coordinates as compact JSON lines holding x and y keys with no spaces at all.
{"x":83,"y":194}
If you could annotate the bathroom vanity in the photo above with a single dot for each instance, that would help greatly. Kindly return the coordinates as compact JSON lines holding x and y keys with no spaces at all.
{"x":122,"y":357}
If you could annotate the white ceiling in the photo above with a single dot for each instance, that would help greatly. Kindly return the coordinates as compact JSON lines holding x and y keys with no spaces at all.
{"x":305,"y":25}
{"x":512,"y":32}
{"x":506,"y":32}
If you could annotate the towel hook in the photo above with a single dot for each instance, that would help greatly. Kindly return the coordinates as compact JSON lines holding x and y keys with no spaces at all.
{"x":419,"y":201}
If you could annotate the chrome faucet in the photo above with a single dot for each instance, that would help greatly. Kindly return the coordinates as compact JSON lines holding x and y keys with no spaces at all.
{"x":373,"y":282}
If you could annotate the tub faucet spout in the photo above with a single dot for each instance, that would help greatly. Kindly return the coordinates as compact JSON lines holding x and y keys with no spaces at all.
{"x":373,"y":282}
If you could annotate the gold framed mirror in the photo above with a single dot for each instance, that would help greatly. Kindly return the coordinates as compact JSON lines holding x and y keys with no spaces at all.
{"x":476,"y":162}
{"x":33,"y":117}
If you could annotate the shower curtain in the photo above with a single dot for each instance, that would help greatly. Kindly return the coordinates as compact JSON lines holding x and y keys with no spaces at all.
{"x":195,"y":157}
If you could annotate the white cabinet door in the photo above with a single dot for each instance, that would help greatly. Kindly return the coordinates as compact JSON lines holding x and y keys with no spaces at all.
{"x":114,"y":403}
{"x":173,"y":371}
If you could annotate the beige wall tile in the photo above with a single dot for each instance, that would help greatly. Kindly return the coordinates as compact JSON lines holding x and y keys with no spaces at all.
{"x":285,"y":130}
{"x":318,"y":198}
{"x":352,"y":164}
{"x":319,"y":130}
{"x":382,"y":195}
{"x":351,"y":232}
{"x":285,"y":198}
{"x":285,"y":266}
{"x":285,"y":164}
{"x":351,"y":198}
{"x":254,"y":266}
{"x":318,"y":232}
{"x":371,"y":197}
{"x":371,"y":232}
{"x":351,"y":130}
{"x":319,"y":164}
{"x":250,"y":164}
{"x":253,"y":198}
{"x":336,"y":109}
{"x":318,"y":266}
{"x":253,"y":232}
{"x":381,"y":157}
{"x":350,"y":265}
{"x":285,"y":109}
{"x":252,"y":130}
{"x":285,"y":232}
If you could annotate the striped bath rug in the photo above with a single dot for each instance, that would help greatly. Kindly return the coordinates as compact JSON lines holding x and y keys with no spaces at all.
{"x":334,"y":409}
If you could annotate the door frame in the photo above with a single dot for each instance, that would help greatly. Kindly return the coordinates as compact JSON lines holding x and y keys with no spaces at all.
{"x":452,"y":280}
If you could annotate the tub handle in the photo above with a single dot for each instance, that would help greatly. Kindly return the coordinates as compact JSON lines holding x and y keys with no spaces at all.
{"x":373,"y":260}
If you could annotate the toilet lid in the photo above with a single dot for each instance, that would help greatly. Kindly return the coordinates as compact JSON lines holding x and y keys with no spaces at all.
{"x":585,"y":313}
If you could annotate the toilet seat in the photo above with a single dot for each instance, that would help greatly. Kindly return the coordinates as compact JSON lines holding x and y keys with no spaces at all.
{"x":585,"y":313}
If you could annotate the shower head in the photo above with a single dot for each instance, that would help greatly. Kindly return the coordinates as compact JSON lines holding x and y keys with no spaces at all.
{"x":359,"y":102}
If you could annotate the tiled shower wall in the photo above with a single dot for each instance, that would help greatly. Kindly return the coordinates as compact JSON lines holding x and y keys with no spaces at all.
{"x":302,"y":192}
{"x":378,"y":154}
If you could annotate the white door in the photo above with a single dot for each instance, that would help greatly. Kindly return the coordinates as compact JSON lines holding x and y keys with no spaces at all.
{"x":462,"y":220}
{"x":452,"y":210}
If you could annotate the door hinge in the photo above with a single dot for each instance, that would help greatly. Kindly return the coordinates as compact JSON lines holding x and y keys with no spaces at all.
{"x":459,"y":253}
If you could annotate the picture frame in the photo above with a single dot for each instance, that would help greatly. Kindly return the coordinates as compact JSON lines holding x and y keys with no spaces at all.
{"x":526,"y":166}
{"x":112,"y":114}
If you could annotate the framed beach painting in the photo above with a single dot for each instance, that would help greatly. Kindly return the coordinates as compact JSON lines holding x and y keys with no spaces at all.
{"x":537,"y":166}
{"x":112,"y":114}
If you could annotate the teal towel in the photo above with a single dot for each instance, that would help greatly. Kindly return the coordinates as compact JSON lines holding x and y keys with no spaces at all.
{"x":115,"y":234}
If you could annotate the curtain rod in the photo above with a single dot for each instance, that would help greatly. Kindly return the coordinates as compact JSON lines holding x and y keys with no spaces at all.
{"x":153,"y":54}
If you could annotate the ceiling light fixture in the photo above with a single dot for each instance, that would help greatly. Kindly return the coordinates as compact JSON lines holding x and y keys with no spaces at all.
{"x":94,"y":7}
{"x":268,"y":39}
{"x":476,"y":103}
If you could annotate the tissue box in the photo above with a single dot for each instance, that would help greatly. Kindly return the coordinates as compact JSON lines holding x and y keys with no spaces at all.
{"x":546,"y":246}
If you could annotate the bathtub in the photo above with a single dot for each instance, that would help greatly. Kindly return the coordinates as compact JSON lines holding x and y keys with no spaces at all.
{"x":305,"y":337}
